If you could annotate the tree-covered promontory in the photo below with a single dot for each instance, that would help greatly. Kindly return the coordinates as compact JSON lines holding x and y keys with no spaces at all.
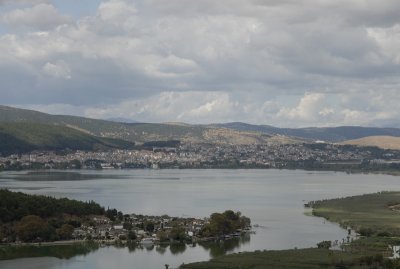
{"x":40,"y":218}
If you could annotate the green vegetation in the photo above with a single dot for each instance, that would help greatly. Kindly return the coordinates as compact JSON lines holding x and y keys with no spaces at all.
{"x":219,"y":226}
{"x":299,"y":259}
{"x":133,"y":132}
{"x":302,"y":258}
{"x":225,"y":223}
{"x":26,"y":137}
{"x":370,"y":214}
{"x":32,"y":218}
{"x":143,"y":132}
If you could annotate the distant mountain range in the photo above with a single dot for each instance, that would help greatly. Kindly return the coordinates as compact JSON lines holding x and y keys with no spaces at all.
{"x":14,"y":120}
{"x":123,"y":120}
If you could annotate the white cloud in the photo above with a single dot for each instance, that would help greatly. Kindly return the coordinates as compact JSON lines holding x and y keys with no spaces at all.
{"x":389,"y":41}
{"x":173,"y":106}
{"x":41,"y":16}
{"x":293,"y":63}
{"x":57,"y":70}
{"x":115,"y":10}
{"x":310,"y":107}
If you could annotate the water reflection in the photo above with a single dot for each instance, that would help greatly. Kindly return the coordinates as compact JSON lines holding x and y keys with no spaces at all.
{"x":177,"y":248}
{"x":215,"y":248}
{"x":223,"y":247}
{"x":132,"y":247}
{"x":61,"y":251}
{"x":161,"y":249}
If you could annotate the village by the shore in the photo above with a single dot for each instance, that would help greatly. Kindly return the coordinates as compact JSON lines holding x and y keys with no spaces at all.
{"x":147,"y":230}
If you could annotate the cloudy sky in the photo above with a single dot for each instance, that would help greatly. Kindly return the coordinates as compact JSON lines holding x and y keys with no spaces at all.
{"x":287,"y":63}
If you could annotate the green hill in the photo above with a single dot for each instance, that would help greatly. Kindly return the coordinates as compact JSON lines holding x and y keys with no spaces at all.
{"x":227,"y":133}
{"x":135,"y":132}
{"x":24,"y":137}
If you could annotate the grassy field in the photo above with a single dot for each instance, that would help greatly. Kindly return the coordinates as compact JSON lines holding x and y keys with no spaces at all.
{"x":370,"y":214}
{"x":287,"y":259}
{"x":375,"y":215}
{"x":302,"y":258}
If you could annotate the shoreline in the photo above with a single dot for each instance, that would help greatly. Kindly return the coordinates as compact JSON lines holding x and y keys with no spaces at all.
{"x":356,"y":172}
{"x":123,"y":242}
{"x":39,"y":244}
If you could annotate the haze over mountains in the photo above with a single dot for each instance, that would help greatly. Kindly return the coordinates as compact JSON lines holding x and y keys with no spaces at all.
{"x":14,"y":122}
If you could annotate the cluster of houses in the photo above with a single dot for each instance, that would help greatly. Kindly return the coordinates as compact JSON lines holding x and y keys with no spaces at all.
{"x":139,"y":228}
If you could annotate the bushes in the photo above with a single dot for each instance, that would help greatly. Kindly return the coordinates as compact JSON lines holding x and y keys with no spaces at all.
{"x":365,"y":231}
{"x":324,"y":244}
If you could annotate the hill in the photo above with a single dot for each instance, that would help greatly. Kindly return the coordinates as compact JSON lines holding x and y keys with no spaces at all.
{"x":226,"y":133}
{"x":136,"y":132}
{"x":385,"y":142}
{"x":24,"y":137}
{"x":328,"y":134}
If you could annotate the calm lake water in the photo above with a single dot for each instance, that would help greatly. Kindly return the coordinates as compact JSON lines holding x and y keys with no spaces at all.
{"x":273,"y":199}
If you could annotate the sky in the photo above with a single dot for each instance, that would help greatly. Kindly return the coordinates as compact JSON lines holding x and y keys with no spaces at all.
{"x":287,"y":63}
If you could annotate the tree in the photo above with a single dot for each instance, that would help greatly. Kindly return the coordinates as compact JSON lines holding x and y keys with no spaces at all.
{"x":162,"y":236}
{"x":32,"y":228}
{"x":149,"y":226}
{"x":225,"y":223}
{"x":324,"y":244}
{"x":65,"y":232}
{"x":120,"y":216}
{"x":132,"y":235}
{"x":127,"y":226}
{"x":244,"y":222}
{"x":177,"y":233}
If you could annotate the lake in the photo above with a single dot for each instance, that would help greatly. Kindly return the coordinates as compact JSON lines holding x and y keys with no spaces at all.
{"x":273,"y":199}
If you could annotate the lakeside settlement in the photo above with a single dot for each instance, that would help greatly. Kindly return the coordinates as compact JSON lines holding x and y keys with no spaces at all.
{"x":38,"y":219}
{"x":318,"y":156}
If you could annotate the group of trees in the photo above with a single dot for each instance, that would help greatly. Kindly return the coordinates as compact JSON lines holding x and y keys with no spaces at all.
{"x":16,"y":205}
{"x":39,"y":218}
{"x":225,"y":223}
